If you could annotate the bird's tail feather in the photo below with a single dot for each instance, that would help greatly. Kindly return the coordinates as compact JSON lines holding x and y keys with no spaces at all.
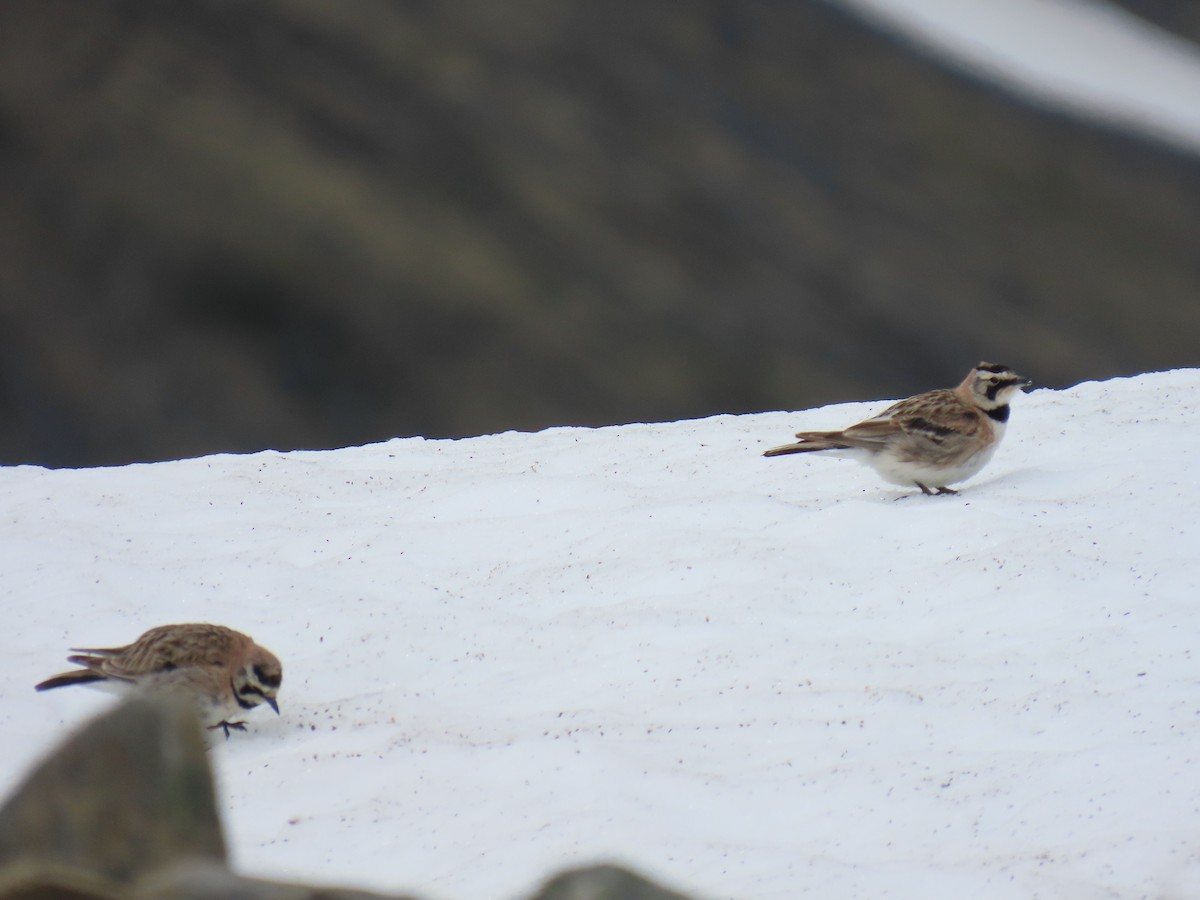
{"x":100,"y":651}
{"x":807,"y":445}
{"x":89,"y":661}
{"x":81,"y":676}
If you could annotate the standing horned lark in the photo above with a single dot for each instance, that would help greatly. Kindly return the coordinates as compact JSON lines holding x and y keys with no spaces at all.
{"x":930,"y":440}
{"x":223,"y":671}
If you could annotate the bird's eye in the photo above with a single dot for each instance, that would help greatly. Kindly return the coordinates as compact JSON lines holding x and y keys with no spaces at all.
{"x":268,"y":679}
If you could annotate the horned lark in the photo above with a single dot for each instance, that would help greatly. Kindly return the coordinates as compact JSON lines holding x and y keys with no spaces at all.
{"x":221,"y":670}
{"x":930,"y":440}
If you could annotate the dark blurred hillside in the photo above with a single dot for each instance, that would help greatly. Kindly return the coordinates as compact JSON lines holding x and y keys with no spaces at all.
{"x":295,"y":223}
{"x":1179,"y":16}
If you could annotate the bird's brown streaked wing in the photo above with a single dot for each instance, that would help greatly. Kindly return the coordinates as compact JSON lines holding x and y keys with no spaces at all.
{"x":169,"y":647}
{"x":872,"y":433}
{"x":951,"y":425}
{"x":102,"y":667}
{"x":920,"y":404}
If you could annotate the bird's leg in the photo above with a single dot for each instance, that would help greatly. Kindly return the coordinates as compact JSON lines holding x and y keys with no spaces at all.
{"x":924,"y":490}
{"x":236,"y":726}
{"x":945,"y":490}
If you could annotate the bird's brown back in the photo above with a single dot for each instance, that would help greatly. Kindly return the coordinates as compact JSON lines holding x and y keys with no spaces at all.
{"x":165,"y":648}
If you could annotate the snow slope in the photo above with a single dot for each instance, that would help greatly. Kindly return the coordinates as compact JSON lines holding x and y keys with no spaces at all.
{"x":746,"y":677}
{"x":1088,"y":56}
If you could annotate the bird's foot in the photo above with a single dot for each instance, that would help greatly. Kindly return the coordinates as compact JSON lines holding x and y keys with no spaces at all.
{"x":236,"y":726}
{"x":939,"y":492}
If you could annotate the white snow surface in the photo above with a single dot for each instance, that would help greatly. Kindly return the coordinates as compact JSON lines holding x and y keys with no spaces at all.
{"x":745,"y":677}
{"x":1086,"y":56}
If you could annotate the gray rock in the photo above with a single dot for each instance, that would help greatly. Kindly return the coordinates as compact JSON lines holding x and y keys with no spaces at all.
{"x":209,"y":881}
{"x":125,"y":795}
{"x":604,"y":883}
{"x":39,"y":882}
{"x":124,"y":810}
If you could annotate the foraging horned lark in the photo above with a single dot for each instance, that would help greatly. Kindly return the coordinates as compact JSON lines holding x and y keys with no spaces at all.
{"x":223,"y":671}
{"x":930,"y":440}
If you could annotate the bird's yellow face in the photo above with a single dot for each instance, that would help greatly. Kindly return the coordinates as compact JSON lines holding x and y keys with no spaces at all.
{"x":994,"y":385}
